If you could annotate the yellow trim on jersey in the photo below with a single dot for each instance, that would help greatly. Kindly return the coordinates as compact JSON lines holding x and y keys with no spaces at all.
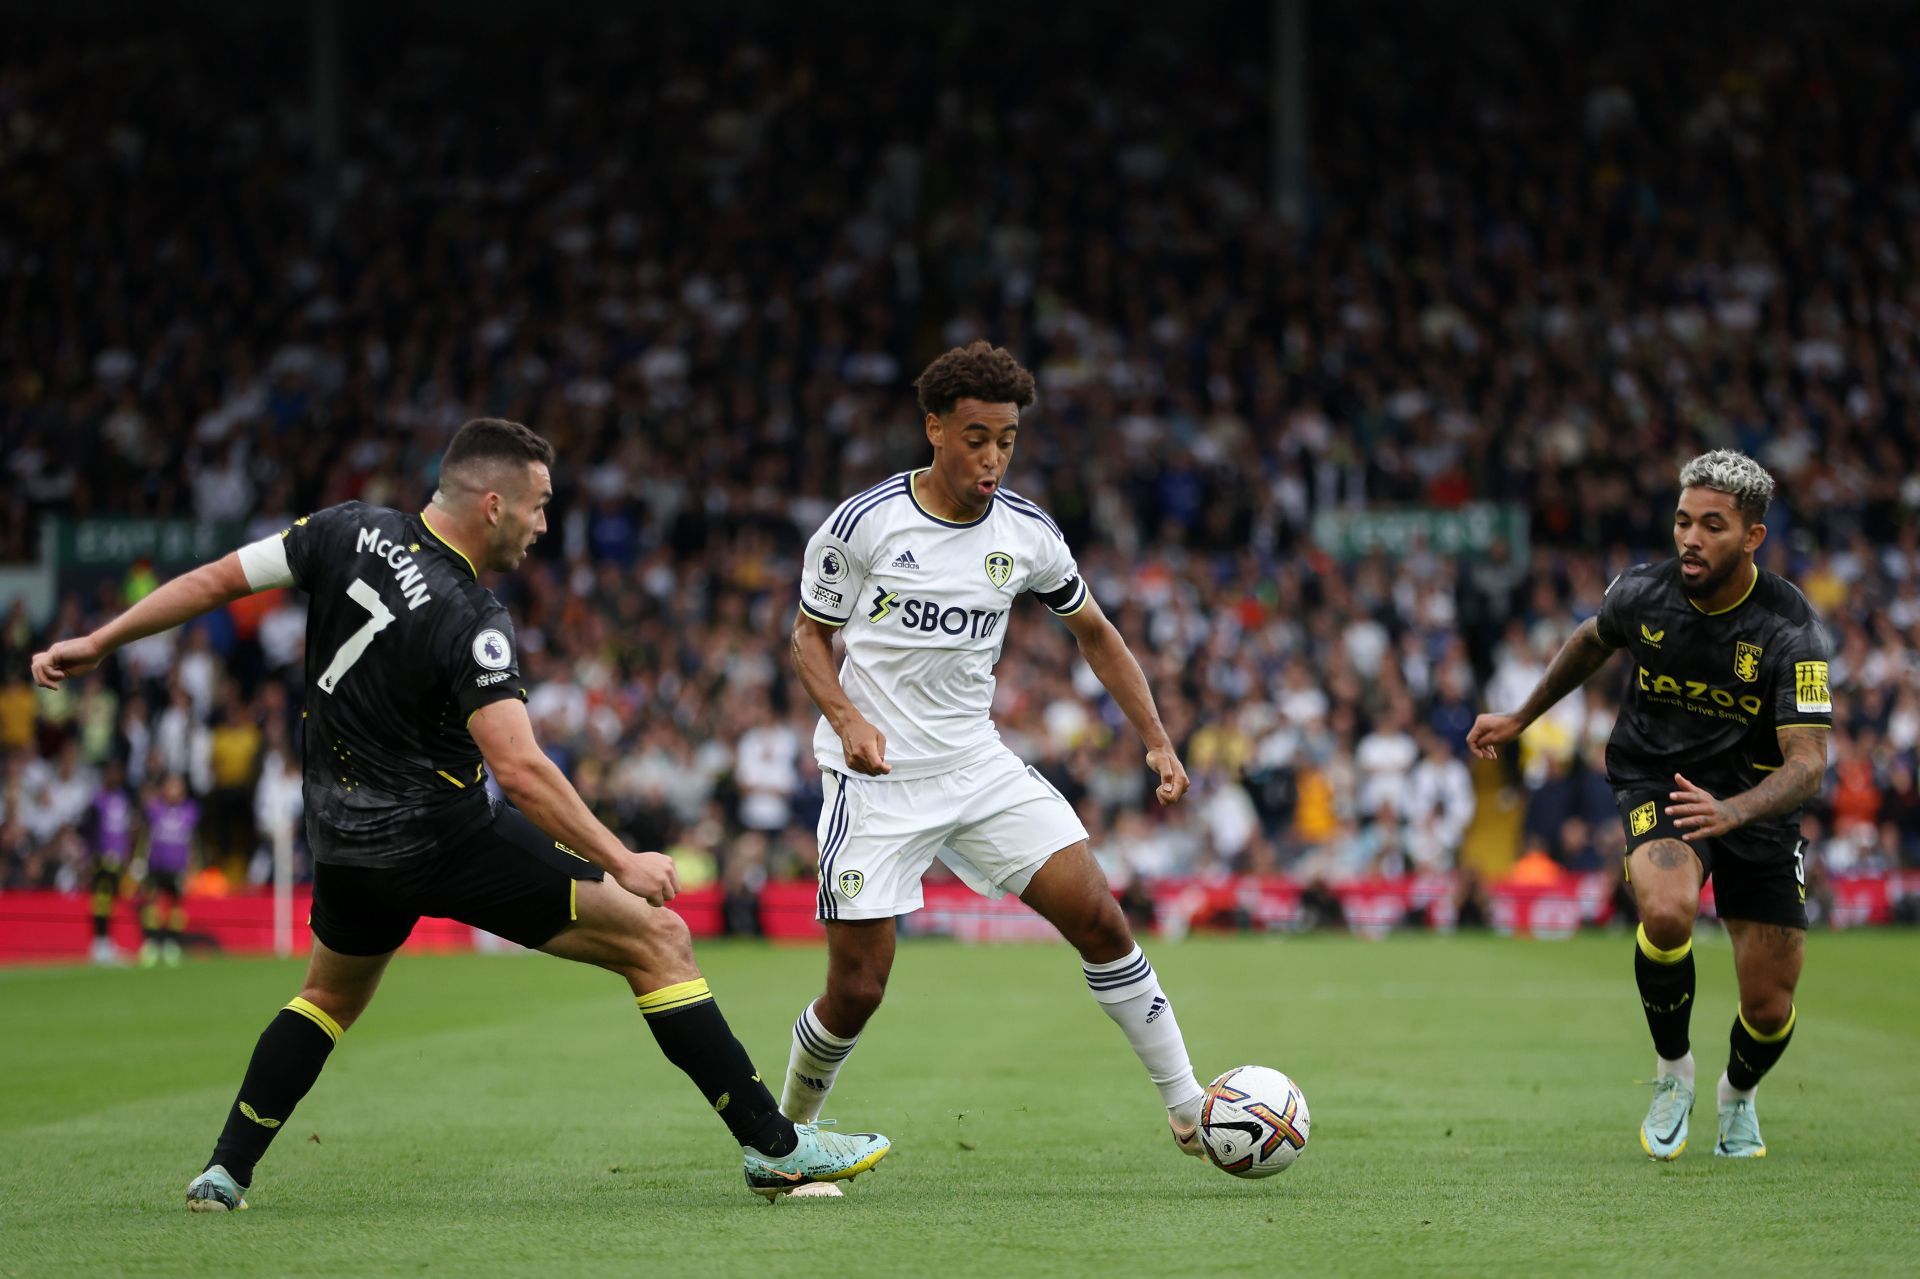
{"x":1793,"y":1015}
{"x":317,"y":1015}
{"x":672,"y":998}
{"x":1715,"y":612}
{"x":573,"y":899}
{"x":1767,"y":768}
{"x":478,"y":709}
{"x":449,"y":545}
{"x":450,"y":777}
{"x":1659,"y":956}
{"x":822,"y":618}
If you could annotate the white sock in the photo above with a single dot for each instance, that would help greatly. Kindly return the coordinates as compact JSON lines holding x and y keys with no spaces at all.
{"x":1130,"y":993}
{"x":1682,"y":1069}
{"x":1729,"y":1093}
{"x":816,"y":1058}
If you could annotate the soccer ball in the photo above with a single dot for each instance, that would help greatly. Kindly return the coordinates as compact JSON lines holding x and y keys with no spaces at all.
{"x":1254,"y":1121}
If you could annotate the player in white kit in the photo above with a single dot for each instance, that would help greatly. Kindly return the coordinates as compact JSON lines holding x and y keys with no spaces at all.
{"x":918,"y":574}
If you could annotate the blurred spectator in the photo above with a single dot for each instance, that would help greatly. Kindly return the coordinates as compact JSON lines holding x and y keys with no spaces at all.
{"x":766,"y":770}
{"x":233,"y":750}
{"x":173,"y":824}
{"x":1439,"y":803}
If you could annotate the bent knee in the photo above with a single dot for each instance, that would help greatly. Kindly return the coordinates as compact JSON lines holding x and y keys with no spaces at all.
{"x":668,"y":934}
{"x":1668,"y":923}
{"x":344,"y":1007}
{"x":1767,"y":1014}
{"x":862,"y":990}
{"x":1101,"y":935}
{"x":658,"y":953}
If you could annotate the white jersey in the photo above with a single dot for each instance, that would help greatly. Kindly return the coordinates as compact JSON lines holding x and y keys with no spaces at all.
{"x":924,"y":605}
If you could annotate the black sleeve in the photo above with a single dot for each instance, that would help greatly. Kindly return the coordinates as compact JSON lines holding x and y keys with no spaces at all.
{"x":317,"y":541}
{"x":1615,"y":619}
{"x":483,"y":662}
{"x":1801,"y":693}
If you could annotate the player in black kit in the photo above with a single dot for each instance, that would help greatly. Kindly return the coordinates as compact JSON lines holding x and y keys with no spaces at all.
{"x":413,"y":694}
{"x":1722,"y":737}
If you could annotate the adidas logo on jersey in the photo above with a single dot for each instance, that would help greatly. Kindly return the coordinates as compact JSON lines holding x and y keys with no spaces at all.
{"x":906,"y":560}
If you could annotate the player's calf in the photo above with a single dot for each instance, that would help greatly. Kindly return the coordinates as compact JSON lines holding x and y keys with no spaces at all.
{"x":859,"y":960}
{"x":1128,"y":991}
{"x":694,"y":1036}
{"x":286,"y":1061}
{"x":813,"y":1063}
{"x":1097,"y":928}
{"x":1070,"y":892}
{"x":851,"y":1000}
{"x":1755,"y":1045}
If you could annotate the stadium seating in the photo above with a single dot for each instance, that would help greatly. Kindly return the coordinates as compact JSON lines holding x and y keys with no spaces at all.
{"x":1343,"y":484}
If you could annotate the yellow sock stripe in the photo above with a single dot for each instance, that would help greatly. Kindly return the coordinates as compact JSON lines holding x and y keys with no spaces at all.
{"x":1793,"y":1015}
{"x":458,"y":784}
{"x":675,"y":997}
{"x":317,"y":1015}
{"x":1659,"y":956}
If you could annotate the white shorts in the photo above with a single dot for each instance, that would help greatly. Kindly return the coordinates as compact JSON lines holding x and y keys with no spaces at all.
{"x":993,"y":821}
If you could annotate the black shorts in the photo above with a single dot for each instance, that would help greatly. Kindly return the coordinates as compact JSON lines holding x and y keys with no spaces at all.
{"x":1757,"y":875}
{"x":106,"y":880}
{"x":509,"y":879}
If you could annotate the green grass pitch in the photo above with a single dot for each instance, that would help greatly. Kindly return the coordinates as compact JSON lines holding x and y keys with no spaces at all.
{"x":1474,"y":1101}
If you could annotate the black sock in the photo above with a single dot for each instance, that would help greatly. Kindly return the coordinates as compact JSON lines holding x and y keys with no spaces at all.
{"x":695,"y":1037}
{"x":286,"y":1061}
{"x":1750,"y":1057}
{"x":101,"y":920}
{"x":1665,"y":978}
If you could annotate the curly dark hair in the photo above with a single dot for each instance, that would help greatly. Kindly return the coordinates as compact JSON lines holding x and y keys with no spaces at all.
{"x":979,"y":370}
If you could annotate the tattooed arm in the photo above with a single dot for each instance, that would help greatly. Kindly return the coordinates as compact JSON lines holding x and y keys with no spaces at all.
{"x":1803,"y":752}
{"x":1583,"y":654}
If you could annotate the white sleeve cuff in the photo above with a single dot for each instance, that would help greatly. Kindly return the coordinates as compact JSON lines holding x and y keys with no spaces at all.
{"x":265,"y":563}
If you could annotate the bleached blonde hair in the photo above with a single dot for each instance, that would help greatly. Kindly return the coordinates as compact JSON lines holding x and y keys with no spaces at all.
{"x":1735,"y":474}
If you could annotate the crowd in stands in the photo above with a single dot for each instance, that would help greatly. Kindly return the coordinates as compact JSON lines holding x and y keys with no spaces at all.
{"x":1542,"y":263}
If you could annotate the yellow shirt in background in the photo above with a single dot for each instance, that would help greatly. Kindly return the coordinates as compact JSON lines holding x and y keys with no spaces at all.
{"x":17,"y":707}
{"x":236,"y":751}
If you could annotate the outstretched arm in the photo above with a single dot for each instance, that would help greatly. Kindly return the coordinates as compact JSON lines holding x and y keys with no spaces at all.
{"x":537,"y":787}
{"x":1119,"y":672}
{"x":184,"y":598}
{"x":1583,"y":654}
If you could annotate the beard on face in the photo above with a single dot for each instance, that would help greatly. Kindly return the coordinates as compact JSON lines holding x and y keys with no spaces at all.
{"x":1710,"y":581}
{"x":506,"y":549}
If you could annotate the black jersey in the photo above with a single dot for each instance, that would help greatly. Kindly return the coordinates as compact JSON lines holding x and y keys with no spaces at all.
{"x":403,"y":646}
{"x":1709,"y":690}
